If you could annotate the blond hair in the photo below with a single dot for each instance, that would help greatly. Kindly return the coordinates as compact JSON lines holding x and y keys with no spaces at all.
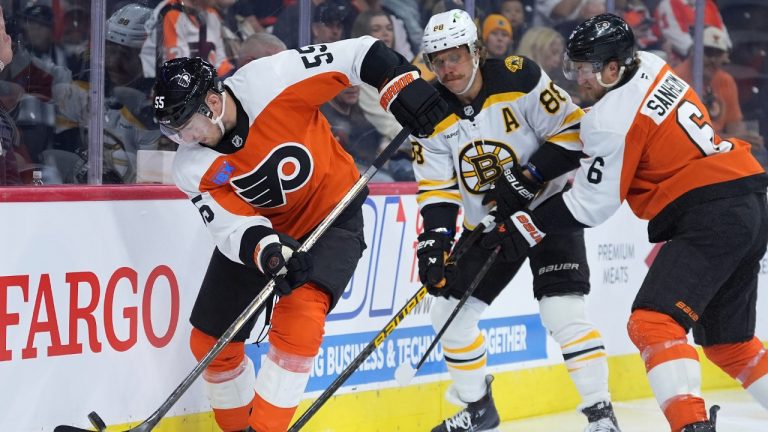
{"x":536,"y":41}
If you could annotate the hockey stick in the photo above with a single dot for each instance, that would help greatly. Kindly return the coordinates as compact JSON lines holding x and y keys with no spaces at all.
{"x":257,"y":303}
{"x":405,"y":372}
{"x":384,"y":333}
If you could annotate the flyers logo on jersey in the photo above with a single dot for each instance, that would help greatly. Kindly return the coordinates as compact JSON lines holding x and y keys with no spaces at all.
{"x":287,"y":168}
{"x":513,"y":63}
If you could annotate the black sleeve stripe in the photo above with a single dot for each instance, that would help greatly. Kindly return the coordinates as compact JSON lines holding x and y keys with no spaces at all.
{"x":442,"y":215}
{"x":552,"y":216}
{"x":552,"y":161}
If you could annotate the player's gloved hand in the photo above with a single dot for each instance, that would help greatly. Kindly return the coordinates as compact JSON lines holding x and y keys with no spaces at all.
{"x":516,"y":235}
{"x":414,"y":102}
{"x":512,"y":191}
{"x":432,"y":252}
{"x":280,"y":257}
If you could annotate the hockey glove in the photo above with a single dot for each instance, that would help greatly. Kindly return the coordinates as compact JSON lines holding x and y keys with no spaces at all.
{"x":516,"y":235}
{"x":512,"y":191}
{"x":414,"y":102}
{"x":279,"y":257}
{"x":432,"y":251}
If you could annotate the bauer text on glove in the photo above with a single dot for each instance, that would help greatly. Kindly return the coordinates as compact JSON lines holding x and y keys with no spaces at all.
{"x":414,"y":102}
{"x":512,"y":191}
{"x":516,"y":235}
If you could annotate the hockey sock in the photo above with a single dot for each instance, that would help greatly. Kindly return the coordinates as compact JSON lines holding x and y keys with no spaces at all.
{"x":297,"y":331}
{"x":463,"y":348}
{"x":228,"y":380}
{"x":746,"y":362}
{"x":672,"y":366}
{"x":581,"y":344}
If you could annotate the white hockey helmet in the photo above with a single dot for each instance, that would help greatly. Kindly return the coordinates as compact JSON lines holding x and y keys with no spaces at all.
{"x":127,"y":25}
{"x":448,"y":30}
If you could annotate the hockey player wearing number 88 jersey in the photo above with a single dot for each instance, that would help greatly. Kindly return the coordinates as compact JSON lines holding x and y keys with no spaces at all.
{"x":505,"y":114}
{"x":649,"y":140}
{"x":260,"y":163}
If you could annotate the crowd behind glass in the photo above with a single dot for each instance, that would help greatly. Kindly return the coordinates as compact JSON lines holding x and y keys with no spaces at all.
{"x":46,"y":88}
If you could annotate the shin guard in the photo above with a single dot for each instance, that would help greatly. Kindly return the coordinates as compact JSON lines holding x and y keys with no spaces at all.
{"x":746,"y":362}
{"x":229,"y":381}
{"x":297,"y":331}
{"x":463,"y":348}
{"x":582,"y":345}
{"x":672,"y":366}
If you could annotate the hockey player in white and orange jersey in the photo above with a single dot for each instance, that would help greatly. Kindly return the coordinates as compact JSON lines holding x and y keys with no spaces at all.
{"x":504,"y":115}
{"x":259,"y":162}
{"x":648,"y":140}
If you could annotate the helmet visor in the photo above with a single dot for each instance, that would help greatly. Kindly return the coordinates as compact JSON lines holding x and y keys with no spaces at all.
{"x":191,"y":132}
{"x":580,"y":70}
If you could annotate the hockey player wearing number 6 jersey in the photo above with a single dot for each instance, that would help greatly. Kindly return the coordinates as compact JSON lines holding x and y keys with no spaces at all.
{"x":260,"y":163}
{"x":505,"y":114}
{"x":649,"y":140}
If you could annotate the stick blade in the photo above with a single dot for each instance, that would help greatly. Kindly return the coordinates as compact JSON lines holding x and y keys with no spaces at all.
{"x":65,"y":428}
{"x":404,"y":374}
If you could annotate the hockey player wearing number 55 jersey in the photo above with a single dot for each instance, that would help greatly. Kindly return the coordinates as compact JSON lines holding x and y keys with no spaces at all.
{"x":649,"y":140}
{"x":505,"y":115}
{"x":260,"y":163}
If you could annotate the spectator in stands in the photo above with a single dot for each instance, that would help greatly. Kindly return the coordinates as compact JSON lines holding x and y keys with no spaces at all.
{"x":328,"y":21}
{"x":287,"y":25}
{"x":497,"y":36}
{"x":259,"y":45}
{"x":128,"y":114}
{"x":514,"y":12}
{"x":552,"y":13}
{"x":379,"y":25}
{"x":185,"y":28}
{"x":9,"y":137}
{"x":676,"y":19}
{"x":350,"y":128}
{"x":720,"y":94}
{"x":409,"y":13}
{"x":545,"y":47}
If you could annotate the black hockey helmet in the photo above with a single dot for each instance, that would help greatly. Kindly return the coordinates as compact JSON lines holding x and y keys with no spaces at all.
{"x":601,"y":39}
{"x":180,"y":89}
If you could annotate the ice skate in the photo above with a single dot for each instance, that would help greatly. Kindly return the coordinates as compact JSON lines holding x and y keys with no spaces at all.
{"x":707,"y":426}
{"x":601,"y":418}
{"x":476,"y":417}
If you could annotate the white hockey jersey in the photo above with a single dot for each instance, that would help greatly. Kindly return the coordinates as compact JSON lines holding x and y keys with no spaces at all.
{"x":650,"y":141}
{"x":517,"y":110}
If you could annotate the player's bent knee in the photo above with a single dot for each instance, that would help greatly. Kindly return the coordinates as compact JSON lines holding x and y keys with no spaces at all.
{"x":647,"y":328}
{"x":298,"y":321}
{"x":561,"y":312}
{"x":464,"y":325}
{"x":230,"y":358}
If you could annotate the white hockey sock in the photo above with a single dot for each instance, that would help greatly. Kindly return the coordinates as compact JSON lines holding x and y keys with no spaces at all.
{"x":463,"y":347}
{"x":759,"y":391}
{"x":582,"y":346}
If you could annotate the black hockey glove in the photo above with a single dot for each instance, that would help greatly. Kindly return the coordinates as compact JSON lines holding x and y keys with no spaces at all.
{"x":516,"y":235}
{"x":414,"y":102}
{"x":280,"y":258}
{"x":432,"y":251}
{"x":512,"y":191}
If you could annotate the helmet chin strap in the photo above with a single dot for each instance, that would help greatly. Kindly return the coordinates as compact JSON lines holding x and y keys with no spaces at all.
{"x":217,"y":121}
{"x":599,"y":77}
{"x":475,"y":67}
